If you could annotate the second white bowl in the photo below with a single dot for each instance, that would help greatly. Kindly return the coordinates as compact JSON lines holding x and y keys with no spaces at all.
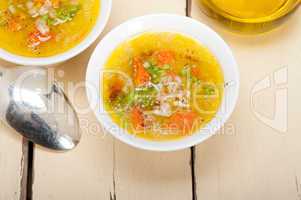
{"x":105,"y":10}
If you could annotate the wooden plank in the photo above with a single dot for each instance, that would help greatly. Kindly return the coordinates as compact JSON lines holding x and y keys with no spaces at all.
{"x":86,"y":172}
{"x":149,"y":175}
{"x":12,"y":163}
{"x":250,"y":159}
{"x":142,"y":174}
{"x":100,"y":167}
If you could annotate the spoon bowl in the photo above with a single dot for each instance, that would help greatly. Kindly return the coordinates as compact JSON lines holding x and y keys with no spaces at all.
{"x":38,"y":110}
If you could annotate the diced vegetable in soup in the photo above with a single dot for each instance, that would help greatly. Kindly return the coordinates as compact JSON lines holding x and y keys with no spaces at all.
{"x":41,"y":28}
{"x":162,"y":86}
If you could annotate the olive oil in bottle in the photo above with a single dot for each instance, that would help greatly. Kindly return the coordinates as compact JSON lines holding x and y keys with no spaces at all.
{"x":251,"y":16}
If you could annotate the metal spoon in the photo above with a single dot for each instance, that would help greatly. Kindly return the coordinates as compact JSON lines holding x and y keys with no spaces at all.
{"x":36,"y":109}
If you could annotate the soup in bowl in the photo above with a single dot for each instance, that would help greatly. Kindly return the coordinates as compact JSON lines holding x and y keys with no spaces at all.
{"x":45,"y":30}
{"x":162,"y":86}
{"x":158,"y":86}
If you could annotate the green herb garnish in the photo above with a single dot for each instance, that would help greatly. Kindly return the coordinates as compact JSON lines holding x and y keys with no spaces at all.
{"x":67,"y":13}
{"x":157,"y":72}
{"x":209,"y":89}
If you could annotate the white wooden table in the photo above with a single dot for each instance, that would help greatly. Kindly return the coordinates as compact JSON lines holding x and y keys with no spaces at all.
{"x":251,"y":158}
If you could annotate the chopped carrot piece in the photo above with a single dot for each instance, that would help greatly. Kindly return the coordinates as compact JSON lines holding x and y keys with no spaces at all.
{"x":141,"y":76}
{"x":195,"y":71}
{"x":55,"y":3}
{"x":183,"y":121}
{"x":137,"y":118}
{"x":14,"y":25}
{"x":164,"y":57}
{"x":35,"y":38}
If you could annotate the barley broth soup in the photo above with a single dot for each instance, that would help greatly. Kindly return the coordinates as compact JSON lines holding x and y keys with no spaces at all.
{"x":42,"y":28}
{"x":162,"y":86}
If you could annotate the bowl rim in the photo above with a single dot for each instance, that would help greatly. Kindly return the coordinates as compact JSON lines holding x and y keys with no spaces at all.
{"x":103,"y":17}
{"x":105,"y":120}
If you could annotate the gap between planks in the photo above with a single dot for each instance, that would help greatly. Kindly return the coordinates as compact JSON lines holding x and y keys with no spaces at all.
{"x":113,"y":193}
{"x":193,"y":178}
{"x":188,"y":8}
{"x":192,"y":149}
{"x":27,"y":170}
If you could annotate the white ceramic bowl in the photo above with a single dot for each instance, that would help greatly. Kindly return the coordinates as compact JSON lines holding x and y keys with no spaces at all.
{"x":170,"y":23}
{"x":105,"y":10}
